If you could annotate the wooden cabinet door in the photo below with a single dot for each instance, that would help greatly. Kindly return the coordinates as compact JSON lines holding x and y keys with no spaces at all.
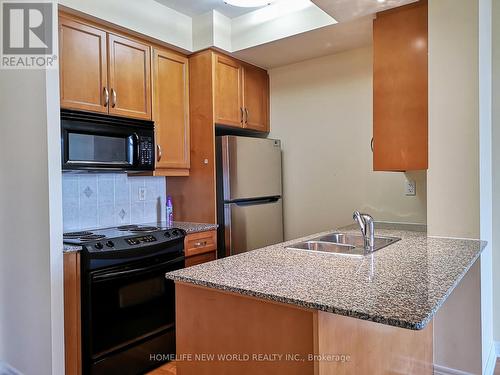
{"x":171,"y":109}
{"x":400,"y":89}
{"x":256,"y":98}
{"x":228,"y":92}
{"x":83,"y":66}
{"x":129,"y":78}
{"x":72,"y":313}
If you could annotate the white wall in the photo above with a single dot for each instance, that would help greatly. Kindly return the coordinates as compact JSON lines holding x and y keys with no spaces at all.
{"x":31,"y":301}
{"x":459,"y":175}
{"x":496,"y":164}
{"x":146,"y":17}
{"x":321,"y":109}
{"x":486,"y":182}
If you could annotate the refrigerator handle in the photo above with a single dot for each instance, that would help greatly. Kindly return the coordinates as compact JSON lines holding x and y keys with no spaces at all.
{"x":253,"y":202}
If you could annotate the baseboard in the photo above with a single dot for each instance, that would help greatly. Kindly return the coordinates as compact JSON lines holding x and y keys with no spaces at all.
{"x":489,"y":369}
{"x":441,"y":370}
{"x":492,"y":360}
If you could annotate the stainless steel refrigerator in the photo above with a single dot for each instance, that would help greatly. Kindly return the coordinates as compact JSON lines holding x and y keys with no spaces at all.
{"x":249,"y":202}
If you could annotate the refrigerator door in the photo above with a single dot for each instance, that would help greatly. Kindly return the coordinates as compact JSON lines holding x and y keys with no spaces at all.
{"x":251,"y":167}
{"x":252,"y":225}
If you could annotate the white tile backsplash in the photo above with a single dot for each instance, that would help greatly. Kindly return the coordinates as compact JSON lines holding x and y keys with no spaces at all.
{"x":107,"y":199}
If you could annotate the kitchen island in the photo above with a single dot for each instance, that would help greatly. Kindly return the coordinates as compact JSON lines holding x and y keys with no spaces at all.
{"x":279,"y":310}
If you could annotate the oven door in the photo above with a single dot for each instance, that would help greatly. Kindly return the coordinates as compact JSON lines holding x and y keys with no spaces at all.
{"x":132,"y":316}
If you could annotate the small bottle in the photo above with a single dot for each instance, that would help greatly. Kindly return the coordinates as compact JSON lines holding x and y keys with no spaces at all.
{"x":170,"y":211}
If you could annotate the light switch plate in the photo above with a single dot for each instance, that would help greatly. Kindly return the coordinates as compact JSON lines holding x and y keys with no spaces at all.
{"x":410,"y":188}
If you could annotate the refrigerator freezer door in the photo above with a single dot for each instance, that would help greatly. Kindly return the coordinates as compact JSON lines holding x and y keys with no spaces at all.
{"x":252,"y":226}
{"x":251,"y":167}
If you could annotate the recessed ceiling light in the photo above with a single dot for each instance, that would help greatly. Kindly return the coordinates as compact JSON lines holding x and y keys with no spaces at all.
{"x":249,"y":3}
{"x":381,"y":1}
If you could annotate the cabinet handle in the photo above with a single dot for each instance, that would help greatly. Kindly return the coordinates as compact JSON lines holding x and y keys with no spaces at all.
{"x":247,"y":113}
{"x":106,"y":96}
{"x":371,"y":144}
{"x":200,"y":244}
{"x":138,"y":146}
{"x":158,"y":149}
{"x":113,"y":94}
{"x":242,"y":115}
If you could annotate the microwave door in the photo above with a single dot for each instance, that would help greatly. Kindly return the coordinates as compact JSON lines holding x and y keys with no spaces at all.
{"x":101,"y":150}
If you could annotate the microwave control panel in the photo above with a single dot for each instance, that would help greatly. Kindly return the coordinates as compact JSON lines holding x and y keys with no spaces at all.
{"x":146,"y":151}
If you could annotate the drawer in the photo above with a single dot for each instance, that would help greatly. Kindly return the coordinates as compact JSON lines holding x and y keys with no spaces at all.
{"x":200,"y":243}
{"x":201,"y":258}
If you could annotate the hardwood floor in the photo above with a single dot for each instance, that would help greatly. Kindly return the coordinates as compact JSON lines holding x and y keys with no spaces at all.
{"x":170,"y":369}
{"x":167,"y":369}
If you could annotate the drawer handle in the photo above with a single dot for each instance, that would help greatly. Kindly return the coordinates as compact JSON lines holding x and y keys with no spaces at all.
{"x":200,"y":244}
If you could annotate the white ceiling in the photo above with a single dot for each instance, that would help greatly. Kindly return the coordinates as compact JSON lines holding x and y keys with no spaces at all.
{"x":196,"y":7}
{"x":293,"y":41}
{"x":345,"y":10}
{"x":341,"y":10}
{"x":320,"y":42}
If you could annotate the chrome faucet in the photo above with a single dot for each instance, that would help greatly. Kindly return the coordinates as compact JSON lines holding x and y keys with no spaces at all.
{"x":366,"y":226}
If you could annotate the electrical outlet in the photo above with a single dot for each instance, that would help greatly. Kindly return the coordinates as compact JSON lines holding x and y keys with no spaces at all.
{"x":142,"y":193}
{"x":410,"y":188}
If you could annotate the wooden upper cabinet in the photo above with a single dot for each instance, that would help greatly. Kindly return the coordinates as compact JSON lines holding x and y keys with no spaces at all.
{"x":129,"y":78}
{"x":400,"y":92}
{"x":241,"y":94}
{"x":256,"y":98}
{"x":228,"y":91}
{"x":83,"y":66}
{"x":103,"y":72}
{"x":171,"y":109}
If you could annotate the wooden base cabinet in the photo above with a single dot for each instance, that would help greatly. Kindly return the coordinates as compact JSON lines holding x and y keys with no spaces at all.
{"x":247,"y":335}
{"x":200,"y":247}
{"x":72,"y":314}
{"x":400,"y":92}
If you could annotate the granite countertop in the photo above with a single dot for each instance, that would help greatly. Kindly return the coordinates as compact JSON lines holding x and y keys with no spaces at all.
{"x":402,"y":285}
{"x":188,"y":227}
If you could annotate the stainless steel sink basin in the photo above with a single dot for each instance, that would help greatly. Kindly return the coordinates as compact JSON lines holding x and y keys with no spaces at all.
{"x":342,"y":243}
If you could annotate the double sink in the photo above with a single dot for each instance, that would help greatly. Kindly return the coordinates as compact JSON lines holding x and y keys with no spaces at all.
{"x":343,"y":244}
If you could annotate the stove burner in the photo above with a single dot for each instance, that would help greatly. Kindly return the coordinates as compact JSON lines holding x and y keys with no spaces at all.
{"x":144,"y":229}
{"x":127,"y":227}
{"x":74,"y":235}
{"x":91,"y":237}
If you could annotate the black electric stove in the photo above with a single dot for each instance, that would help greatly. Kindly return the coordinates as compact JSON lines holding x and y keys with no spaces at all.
{"x":128,"y":306}
{"x":127,"y":239}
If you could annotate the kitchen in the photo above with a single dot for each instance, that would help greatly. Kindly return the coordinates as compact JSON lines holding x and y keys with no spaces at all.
{"x":318,"y":93}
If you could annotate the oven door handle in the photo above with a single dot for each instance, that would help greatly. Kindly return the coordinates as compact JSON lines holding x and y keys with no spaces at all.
{"x":136,"y":271}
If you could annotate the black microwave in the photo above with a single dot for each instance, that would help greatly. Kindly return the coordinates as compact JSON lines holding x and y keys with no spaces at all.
{"x":95,"y":142}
